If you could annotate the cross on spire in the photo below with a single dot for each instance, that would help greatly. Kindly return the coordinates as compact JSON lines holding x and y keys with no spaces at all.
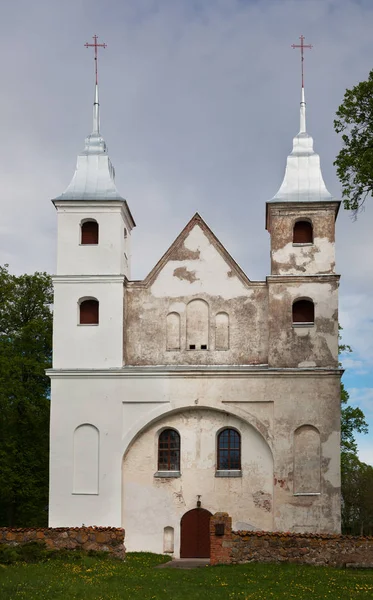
{"x":95,"y":45}
{"x":302,"y":46}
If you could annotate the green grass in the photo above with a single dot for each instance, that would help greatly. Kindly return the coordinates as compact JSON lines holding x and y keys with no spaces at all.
{"x":92,"y":578}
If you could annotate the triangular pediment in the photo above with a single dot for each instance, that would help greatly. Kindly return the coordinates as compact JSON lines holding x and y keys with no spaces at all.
{"x":197,"y":256}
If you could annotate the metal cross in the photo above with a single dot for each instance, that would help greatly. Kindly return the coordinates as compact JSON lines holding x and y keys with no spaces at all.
{"x":302,"y":46}
{"x":95,"y":46}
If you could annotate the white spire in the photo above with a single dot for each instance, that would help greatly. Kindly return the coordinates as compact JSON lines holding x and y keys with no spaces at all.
{"x":96,"y":112}
{"x":303,"y":180}
{"x":94,"y":174}
{"x":302,"y":128}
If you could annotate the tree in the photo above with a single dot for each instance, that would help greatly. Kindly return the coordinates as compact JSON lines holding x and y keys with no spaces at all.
{"x":355,"y":161}
{"x":25,"y":353}
{"x":356,"y":476}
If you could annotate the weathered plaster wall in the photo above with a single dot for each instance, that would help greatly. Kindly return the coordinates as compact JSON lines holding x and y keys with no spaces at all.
{"x":196,"y":269}
{"x":317,"y":258}
{"x":303,"y":346}
{"x":248,"y":498}
{"x":124,"y":403}
{"x":314,"y":402}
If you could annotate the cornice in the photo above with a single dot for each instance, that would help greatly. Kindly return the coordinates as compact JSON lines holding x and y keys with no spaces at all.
{"x":332,"y":277}
{"x":99,"y":206}
{"x":218,"y":371}
{"x":88,"y":279}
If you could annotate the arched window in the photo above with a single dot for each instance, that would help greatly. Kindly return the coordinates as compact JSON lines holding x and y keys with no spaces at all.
{"x":303,"y":312}
{"x":197,"y":325}
{"x":169,"y":450}
{"x":89,"y":232}
{"x":303,"y":233}
{"x":89,"y":312}
{"x":173,"y":331}
{"x":229,"y":450}
{"x":222,"y":331}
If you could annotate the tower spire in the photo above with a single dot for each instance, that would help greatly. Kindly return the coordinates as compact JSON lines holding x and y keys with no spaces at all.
{"x":302,"y":46}
{"x":96,"y":104}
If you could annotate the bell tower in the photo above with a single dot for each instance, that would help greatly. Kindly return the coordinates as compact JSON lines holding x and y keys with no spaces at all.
{"x":93,"y":259}
{"x":303,"y":286}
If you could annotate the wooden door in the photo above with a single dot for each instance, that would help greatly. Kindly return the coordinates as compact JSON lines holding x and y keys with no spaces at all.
{"x":195,"y":534}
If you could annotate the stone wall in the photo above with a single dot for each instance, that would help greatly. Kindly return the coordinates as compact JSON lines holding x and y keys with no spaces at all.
{"x":103,"y":539}
{"x":235,"y":547}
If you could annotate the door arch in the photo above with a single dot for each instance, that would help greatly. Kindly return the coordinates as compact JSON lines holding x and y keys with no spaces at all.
{"x":195,"y":534}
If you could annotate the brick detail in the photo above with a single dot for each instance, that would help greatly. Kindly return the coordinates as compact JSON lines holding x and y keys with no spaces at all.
{"x":236,"y":547}
{"x":104,"y":539}
{"x":220,"y":545}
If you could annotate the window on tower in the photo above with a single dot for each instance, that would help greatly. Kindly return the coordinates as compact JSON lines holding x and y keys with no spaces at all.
{"x":89,"y":232}
{"x":303,"y":232}
{"x":169,"y":450}
{"x":88,"y":312}
{"x":229,"y":450}
{"x":303,"y":312}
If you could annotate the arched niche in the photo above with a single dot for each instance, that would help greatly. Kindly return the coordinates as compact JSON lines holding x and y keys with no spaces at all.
{"x":168,"y":540}
{"x":197,"y":325}
{"x":222,"y":331}
{"x":307,"y":460}
{"x":86,"y":459}
{"x":173,"y":331}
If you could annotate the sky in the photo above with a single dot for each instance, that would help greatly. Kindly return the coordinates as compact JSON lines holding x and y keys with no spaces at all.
{"x":199,"y":105}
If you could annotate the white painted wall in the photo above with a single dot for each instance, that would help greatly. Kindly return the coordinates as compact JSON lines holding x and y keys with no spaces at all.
{"x":88,"y":346}
{"x":111,"y":255}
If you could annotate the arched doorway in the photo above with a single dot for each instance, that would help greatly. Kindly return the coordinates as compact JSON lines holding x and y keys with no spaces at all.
{"x":195,"y":534}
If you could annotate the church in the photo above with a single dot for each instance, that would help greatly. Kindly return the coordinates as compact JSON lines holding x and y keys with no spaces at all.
{"x":195,"y":390}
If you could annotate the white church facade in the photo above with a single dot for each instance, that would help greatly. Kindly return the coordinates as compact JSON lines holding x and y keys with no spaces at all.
{"x":195,"y":390}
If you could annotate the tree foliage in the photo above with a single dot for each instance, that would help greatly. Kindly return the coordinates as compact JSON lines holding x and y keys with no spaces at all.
{"x":356,"y":476}
{"x":25,"y":353}
{"x":355,"y":161}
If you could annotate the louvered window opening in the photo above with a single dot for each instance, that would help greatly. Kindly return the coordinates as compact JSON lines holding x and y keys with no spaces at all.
{"x":90,"y":232}
{"x":229,"y":450}
{"x":303,"y":233}
{"x":89,"y":312}
{"x":169,"y":451}
{"x":303,"y":311}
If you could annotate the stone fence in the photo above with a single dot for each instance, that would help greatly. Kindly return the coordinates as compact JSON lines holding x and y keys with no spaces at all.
{"x":103,"y":539}
{"x":235,"y":547}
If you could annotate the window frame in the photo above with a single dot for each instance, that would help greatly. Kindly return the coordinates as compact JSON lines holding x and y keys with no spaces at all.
{"x":84,"y":222}
{"x":309,"y":243}
{"x":80,"y":303}
{"x":165,"y":470}
{"x":302,"y":323}
{"x":228,"y":470}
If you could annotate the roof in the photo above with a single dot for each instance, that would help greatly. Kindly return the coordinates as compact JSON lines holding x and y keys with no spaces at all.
{"x":94,"y":177}
{"x":303,"y":180}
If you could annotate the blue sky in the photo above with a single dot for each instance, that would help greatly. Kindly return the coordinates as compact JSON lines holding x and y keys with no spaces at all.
{"x":199,"y":105}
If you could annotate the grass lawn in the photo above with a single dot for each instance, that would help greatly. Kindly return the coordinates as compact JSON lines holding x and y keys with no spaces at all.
{"x":103,"y":579}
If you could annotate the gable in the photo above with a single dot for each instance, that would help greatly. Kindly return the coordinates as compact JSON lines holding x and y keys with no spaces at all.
{"x":197,"y":263}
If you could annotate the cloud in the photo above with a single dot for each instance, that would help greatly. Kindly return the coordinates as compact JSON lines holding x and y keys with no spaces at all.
{"x":199,"y":105}
{"x":363,"y":397}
